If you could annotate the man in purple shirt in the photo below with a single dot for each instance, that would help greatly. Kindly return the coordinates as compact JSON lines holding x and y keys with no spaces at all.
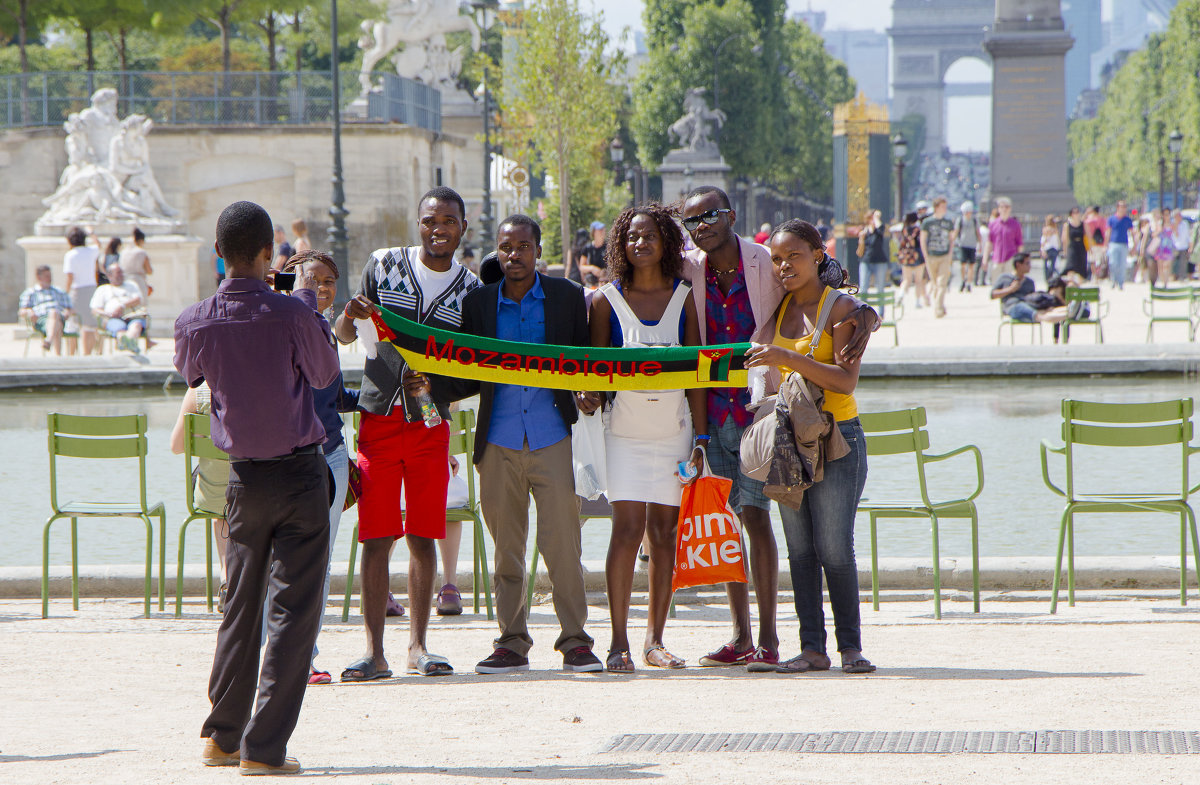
{"x":262,"y":353}
{"x":1004,"y":238}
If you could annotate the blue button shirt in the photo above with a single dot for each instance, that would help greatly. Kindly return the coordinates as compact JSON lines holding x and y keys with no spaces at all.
{"x":524,"y":414}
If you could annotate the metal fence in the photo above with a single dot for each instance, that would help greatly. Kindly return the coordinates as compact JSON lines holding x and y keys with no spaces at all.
{"x":207,"y":97}
{"x":405,"y":101}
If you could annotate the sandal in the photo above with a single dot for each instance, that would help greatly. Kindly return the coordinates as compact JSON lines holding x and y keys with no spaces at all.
{"x":619,"y":661}
{"x":854,"y":662}
{"x":449,"y":601}
{"x":319,"y":677}
{"x":807,"y":660}
{"x":394,"y":608}
{"x":666,"y":658}
{"x":432,"y":665}
{"x":365,"y":670}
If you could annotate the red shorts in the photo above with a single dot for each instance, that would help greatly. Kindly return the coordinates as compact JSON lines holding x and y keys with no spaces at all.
{"x":395,"y":454}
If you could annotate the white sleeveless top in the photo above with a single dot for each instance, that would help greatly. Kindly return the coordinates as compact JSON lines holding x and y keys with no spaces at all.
{"x":636,"y":333}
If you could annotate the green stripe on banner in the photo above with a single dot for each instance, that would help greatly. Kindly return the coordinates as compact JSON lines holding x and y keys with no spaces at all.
{"x":430,"y":350}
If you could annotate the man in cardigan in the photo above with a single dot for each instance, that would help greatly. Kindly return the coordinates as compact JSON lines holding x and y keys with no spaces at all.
{"x":523,"y":445}
{"x":736,"y":292}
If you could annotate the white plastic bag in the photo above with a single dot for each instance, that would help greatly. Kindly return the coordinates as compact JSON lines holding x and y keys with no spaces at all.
{"x":587,"y":454}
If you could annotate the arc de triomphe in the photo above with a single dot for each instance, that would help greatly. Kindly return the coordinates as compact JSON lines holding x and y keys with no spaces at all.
{"x":929,"y":36}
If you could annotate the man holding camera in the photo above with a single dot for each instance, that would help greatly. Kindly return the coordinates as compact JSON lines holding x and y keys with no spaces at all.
{"x":262,"y":354}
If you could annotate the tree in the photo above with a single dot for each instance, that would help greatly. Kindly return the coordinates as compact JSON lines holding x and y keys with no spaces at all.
{"x":560,"y":103}
{"x":773,"y":79}
{"x":24,"y":19}
{"x":1115,"y":154}
{"x":114,"y":18}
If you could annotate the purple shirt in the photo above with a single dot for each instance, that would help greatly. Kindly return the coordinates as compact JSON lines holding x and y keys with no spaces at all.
{"x":1005,"y":238}
{"x":262,"y":353}
{"x":730,"y":320}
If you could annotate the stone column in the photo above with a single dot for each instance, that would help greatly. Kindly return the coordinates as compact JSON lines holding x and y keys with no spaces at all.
{"x":1028,"y":45}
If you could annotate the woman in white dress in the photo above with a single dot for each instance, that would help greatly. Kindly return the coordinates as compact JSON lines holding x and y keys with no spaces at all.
{"x":648,"y":432}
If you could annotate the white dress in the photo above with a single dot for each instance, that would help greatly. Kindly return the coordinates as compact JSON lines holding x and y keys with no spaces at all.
{"x":647,"y":433}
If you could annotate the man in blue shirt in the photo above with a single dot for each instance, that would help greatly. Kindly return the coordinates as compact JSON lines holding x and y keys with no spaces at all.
{"x":523,"y":446}
{"x":1119,"y":227}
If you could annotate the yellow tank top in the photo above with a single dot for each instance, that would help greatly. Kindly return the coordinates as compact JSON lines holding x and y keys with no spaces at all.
{"x":840,"y":405}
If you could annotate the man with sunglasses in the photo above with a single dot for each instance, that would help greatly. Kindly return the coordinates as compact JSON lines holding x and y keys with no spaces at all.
{"x":736,"y":291}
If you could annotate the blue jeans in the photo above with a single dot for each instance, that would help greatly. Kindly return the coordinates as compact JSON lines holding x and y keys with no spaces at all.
{"x":872,"y":273}
{"x":1118,"y":259}
{"x":820,"y":535}
{"x":339,"y":465}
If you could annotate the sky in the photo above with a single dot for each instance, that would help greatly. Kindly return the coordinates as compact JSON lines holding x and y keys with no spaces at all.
{"x":857,"y":15}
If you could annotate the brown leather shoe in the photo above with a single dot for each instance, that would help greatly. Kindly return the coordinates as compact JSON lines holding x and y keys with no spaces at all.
{"x":215,"y":756}
{"x":251,"y":768}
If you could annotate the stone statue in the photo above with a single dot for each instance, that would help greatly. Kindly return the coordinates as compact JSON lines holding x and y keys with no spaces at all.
{"x":695,"y":130}
{"x":421,"y":27}
{"x":108,"y":178}
{"x":129,"y":158}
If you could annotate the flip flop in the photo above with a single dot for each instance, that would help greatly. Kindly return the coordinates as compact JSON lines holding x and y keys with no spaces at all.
{"x":364,"y":670}
{"x":796,"y":664}
{"x":319,"y":677}
{"x":859,"y":664}
{"x":432,"y":665}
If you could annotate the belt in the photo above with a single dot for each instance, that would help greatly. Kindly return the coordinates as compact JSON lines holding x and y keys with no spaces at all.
{"x":311,"y":449}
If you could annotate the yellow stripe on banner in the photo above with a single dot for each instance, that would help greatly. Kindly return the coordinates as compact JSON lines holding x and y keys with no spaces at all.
{"x":591,"y":381}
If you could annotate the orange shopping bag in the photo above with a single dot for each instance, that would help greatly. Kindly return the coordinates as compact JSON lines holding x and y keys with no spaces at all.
{"x":708,"y":547}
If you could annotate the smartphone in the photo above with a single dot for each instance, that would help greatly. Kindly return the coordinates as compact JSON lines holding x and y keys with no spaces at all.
{"x":285,"y":282}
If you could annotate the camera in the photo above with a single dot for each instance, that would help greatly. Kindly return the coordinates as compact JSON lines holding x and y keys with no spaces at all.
{"x":285,"y":282}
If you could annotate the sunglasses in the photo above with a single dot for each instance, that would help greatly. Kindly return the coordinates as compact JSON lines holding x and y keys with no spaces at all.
{"x":709,"y":217}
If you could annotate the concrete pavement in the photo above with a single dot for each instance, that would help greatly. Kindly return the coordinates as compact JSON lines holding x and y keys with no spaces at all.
{"x":105,"y":696}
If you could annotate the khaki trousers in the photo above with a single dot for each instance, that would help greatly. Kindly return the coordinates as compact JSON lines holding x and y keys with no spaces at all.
{"x":939,"y":272}
{"x":506,"y":479}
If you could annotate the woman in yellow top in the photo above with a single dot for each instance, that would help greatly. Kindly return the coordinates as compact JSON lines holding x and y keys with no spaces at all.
{"x":820,"y":534}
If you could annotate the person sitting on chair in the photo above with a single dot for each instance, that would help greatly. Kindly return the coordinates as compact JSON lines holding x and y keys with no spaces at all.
{"x":119,"y":303}
{"x":47,"y":308}
{"x":1018,"y":299}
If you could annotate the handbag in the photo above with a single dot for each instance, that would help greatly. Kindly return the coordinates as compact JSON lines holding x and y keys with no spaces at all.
{"x":588,"y":456}
{"x":757,"y":447}
{"x":708,"y":545}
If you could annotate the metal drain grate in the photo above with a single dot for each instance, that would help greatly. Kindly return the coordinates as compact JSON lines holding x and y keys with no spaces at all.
{"x":1055,"y":741}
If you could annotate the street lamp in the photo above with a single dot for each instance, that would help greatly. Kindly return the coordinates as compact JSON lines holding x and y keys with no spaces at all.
{"x":337,"y":236}
{"x":899,"y":151}
{"x":1175,"y":145}
{"x":616,"y":153}
{"x":484,"y":14}
{"x":1162,"y":181}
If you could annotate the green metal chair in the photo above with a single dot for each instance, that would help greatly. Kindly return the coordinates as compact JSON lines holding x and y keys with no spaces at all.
{"x":1178,"y":306}
{"x":462,"y":436}
{"x":899,"y":433}
{"x":1035,"y":329}
{"x":103,"y":438}
{"x":1168,"y":425}
{"x":197,"y":444}
{"x":890,"y":310}
{"x":1089,"y":295}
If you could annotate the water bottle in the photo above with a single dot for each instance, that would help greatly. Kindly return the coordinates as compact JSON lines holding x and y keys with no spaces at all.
{"x":429,"y":411}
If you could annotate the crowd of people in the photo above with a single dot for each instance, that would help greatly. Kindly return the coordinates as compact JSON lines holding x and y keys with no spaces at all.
{"x":273,"y":388}
{"x":1159,"y":248}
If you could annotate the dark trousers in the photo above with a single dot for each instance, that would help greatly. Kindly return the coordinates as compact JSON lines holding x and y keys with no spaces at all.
{"x":278,"y":513}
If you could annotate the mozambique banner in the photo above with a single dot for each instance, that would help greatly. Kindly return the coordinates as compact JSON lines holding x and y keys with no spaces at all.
{"x":430,"y":350}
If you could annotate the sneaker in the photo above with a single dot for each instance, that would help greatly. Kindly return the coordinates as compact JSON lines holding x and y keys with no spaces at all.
{"x":762,"y":661}
{"x":215,"y":756}
{"x":726,"y":655}
{"x":581,"y":660}
{"x":503,"y":661}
